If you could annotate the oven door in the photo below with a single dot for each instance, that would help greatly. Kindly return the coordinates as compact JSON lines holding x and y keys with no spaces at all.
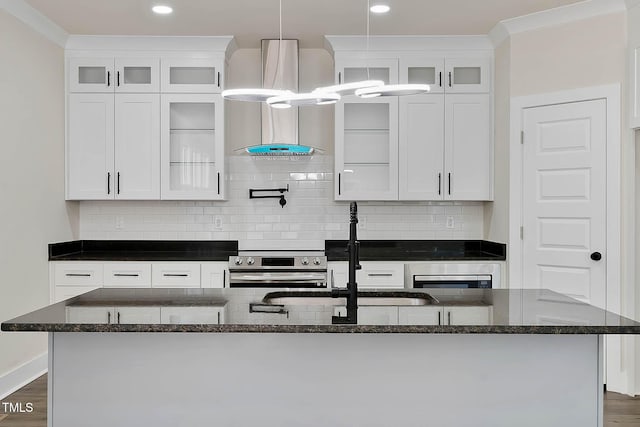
{"x":286,"y":279}
{"x":452,"y":281}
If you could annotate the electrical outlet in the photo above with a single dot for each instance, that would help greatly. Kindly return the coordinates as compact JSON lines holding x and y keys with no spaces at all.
{"x":450,"y":222}
{"x":217,"y":223}
{"x":119,"y":222}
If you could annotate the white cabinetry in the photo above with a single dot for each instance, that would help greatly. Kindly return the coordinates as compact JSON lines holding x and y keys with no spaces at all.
{"x":192,"y":147}
{"x":437,"y":146}
{"x":373,"y":275}
{"x":214,"y":274}
{"x":192,"y":315}
{"x":445,"y":315}
{"x":175,"y":275}
{"x":114,"y":315}
{"x":633,"y":42}
{"x":367,"y":149}
{"x":71,"y":279}
{"x":114,"y":75}
{"x":127,"y":275}
{"x":195,"y":75}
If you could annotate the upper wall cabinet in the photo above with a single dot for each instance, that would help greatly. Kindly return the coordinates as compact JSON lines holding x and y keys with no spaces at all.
{"x":633,"y":46}
{"x":133,"y":75}
{"x":192,"y":75}
{"x":435,"y":146}
{"x":119,"y":88}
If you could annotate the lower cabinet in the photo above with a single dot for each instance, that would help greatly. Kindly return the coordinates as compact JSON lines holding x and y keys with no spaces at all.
{"x":445,"y":315}
{"x":128,"y":315}
{"x":373,"y":275}
{"x":114,"y":315}
{"x":175,"y":275}
{"x":421,"y":315}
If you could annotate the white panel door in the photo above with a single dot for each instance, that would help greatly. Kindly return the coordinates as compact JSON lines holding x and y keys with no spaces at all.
{"x":89,"y":165}
{"x":137,"y":146}
{"x":468,"y":148}
{"x":564,"y":196}
{"x":421,"y":147}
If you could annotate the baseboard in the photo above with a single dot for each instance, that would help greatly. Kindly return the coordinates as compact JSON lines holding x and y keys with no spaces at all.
{"x":23,"y":375}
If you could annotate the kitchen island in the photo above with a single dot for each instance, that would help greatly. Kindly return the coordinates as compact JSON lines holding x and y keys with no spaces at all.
{"x":536,"y":360}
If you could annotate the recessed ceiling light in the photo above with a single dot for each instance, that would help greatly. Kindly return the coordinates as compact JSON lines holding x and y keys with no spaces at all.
{"x":162,"y":10}
{"x":380,"y":8}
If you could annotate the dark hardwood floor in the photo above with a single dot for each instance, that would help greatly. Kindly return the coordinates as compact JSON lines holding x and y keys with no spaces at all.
{"x":619,"y":410}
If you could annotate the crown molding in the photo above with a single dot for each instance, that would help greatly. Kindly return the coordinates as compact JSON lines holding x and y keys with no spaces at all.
{"x":557,"y":16}
{"x":34,"y":19}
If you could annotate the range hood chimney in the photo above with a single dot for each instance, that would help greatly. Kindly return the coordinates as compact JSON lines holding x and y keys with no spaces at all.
{"x":279,"y":126}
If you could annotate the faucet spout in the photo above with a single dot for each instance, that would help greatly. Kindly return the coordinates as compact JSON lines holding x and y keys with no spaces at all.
{"x":353,"y":248}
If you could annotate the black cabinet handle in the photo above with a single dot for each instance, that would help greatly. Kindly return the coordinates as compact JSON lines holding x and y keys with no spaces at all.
{"x":224,"y":279}
{"x":175,"y":275}
{"x":449,"y":317}
{"x":440,"y":74}
{"x":78,"y":275}
{"x":126,"y":274}
{"x":108,"y":78}
{"x":118,"y":78}
{"x":339,"y":183}
{"x":218,"y":183}
{"x":439,"y":321}
{"x":449,"y":78}
{"x":108,"y":182}
{"x":596,"y":256}
{"x":118,"y":183}
{"x":218,"y":318}
{"x":339,"y":77}
{"x":218,"y":78}
{"x":118,"y":318}
{"x":108,"y":317}
{"x":439,"y":184}
{"x":449,"y":183}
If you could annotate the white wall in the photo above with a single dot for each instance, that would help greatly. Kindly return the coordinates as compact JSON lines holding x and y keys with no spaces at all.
{"x":33,"y":212}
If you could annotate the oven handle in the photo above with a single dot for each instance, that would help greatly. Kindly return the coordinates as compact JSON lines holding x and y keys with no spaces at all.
{"x":450,"y":278}
{"x":279,"y":278}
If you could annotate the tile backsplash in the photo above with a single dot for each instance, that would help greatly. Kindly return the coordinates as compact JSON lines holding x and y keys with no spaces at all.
{"x":309,"y":217}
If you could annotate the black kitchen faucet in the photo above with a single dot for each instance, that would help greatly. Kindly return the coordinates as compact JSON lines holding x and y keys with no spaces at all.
{"x":351,"y":292}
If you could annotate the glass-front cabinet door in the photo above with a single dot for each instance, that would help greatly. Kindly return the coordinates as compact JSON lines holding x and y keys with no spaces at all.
{"x":132,"y":75}
{"x":91,"y":75}
{"x":137,"y":75}
{"x":192,"y":147}
{"x":423,"y":70}
{"x":197,"y":75}
{"x":468,"y":75}
{"x":367,"y":149}
{"x":358,"y":69}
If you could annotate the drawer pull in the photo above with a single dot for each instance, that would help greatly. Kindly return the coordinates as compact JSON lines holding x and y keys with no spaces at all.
{"x":175,"y":274}
{"x":126,"y":274}
{"x":78,"y":274}
{"x":380,"y":274}
{"x":108,"y":317}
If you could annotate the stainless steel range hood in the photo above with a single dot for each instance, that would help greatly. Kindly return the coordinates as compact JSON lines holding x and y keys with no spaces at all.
{"x":279,"y":126}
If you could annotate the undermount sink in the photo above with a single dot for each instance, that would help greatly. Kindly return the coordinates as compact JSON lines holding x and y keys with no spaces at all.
{"x":364,"y":298}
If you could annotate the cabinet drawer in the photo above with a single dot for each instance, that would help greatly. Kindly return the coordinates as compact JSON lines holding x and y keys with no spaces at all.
{"x":192,"y":315}
{"x":127,"y":275}
{"x":381,"y":275}
{"x":175,"y":275}
{"x":78,"y":274}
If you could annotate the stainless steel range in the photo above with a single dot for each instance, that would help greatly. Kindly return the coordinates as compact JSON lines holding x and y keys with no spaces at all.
{"x":278,"y":269}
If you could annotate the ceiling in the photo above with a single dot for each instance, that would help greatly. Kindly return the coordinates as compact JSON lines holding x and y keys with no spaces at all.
{"x":306,"y":20}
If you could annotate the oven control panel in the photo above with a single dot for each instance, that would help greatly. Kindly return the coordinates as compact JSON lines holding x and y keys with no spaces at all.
{"x":305,"y":262}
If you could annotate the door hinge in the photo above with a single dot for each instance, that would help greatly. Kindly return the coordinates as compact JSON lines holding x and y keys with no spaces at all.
{"x":521,"y":233}
{"x":521,"y":137}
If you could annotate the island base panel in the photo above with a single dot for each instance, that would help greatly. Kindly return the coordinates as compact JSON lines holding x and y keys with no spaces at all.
{"x":188,"y":379}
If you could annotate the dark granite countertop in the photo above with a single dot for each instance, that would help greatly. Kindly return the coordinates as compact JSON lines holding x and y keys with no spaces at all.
{"x":512,"y":312}
{"x":419,"y":250}
{"x":143,"y":250}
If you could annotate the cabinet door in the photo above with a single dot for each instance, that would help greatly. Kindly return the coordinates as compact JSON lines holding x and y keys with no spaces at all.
{"x":192,"y":147}
{"x":358,"y":69}
{"x":468,"y":315}
{"x":127,"y":275}
{"x":137,"y":75}
{"x":90,"y":140}
{"x":202,"y":75}
{"x":137,"y":146}
{"x":423,"y":315}
{"x":367,"y":149}
{"x":214,"y":274}
{"x":468,"y":75}
{"x":136,"y":315}
{"x":90,"y":314}
{"x":421,"y":147}
{"x":368,"y":315}
{"x":91,"y":75}
{"x":468,"y":148}
{"x":423,"y":70}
